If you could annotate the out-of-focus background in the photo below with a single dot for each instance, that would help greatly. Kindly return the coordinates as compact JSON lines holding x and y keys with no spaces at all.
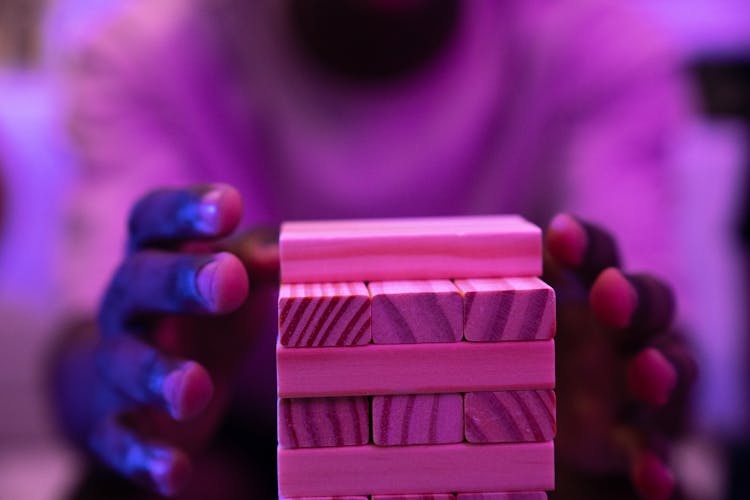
{"x":711,"y":172}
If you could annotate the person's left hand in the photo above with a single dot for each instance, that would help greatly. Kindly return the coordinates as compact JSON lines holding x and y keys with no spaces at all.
{"x":623,"y":374}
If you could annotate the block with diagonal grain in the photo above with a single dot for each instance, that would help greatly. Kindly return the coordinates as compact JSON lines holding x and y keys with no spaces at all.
{"x":324,"y":314}
{"x":413,"y":312}
{"x":509,"y":416}
{"x":323,"y":422}
{"x":507,"y":309}
{"x":417,"y":419}
{"x":409,"y":249}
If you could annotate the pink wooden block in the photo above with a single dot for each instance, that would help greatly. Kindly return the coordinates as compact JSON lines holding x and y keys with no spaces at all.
{"x":326,"y":498}
{"x":507,"y":309}
{"x":414,"y":368}
{"x":429,"y":496}
{"x":413,"y":312}
{"x":510,"y":416}
{"x":397,"y":249}
{"x":516,"y":495}
{"x":417,"y":419}
{"x":324,"y":314}
{"x":390,"y":470}
{"x":323,"y":422}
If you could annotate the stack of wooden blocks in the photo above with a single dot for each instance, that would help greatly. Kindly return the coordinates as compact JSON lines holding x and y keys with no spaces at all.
{"x":415,"y":360}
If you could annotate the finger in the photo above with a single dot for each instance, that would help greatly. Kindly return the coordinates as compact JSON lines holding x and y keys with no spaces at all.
{"x":163,"y":468}
{"x":640,"y":305}
{"x":651,"y":378}
{"x":171,"y":215}
{"x":651,"y":476}
{"x":585,"y":248}
{"x":182,"y":388}
{"x":160,"y":282}
{"x":259,"y":252}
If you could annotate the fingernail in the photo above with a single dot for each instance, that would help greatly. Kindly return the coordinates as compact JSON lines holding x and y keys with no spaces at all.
{"x":568,"y":239}
{"x":168,"y":470}
{"x":187,"y":390}
{"x":613,"y":299}
{"x":206,"y":282}
{"x":651,"y":377}
{"x":652,"y":478}
{"x":208,"y":212}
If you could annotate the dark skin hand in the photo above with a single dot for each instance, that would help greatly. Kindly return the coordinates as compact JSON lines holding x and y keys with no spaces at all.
{"x":178,"y":320}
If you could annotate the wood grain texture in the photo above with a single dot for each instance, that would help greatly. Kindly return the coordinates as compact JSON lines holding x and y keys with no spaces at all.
{"x":323,"y":422}
{"x":417,"y":419}
{"x":324,"y":314}
{"x":396,"y":249}
{"x":413,"y":312}
{"x":414,"y":368}
{"x":516,"y":495}
{"x":507,"y":309}
{"x":510,"y":416}
{"x":385,"y":470}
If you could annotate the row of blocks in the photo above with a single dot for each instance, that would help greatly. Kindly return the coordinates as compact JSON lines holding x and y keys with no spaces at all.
{"x":399,"y":420}
{"x":416,"y":311}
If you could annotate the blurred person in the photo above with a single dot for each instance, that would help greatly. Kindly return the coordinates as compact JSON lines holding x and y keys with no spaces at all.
{"x":369,"y":108}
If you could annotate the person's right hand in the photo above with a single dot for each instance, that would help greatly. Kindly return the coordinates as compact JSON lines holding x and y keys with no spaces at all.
{"x":169,"y":345}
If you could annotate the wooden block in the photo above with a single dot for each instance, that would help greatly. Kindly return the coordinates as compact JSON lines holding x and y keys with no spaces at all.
{"x":326,"y":498}
{"x":389,"y":470}
{"x":409,"y":249}
{"x":413,"y":312}
{"x":428,"y":496}
{"x":507,"y":309}
{"x":417,"y":419}
{"x":324,"y":314}
{"x":414,"y":368}
{"x":515,"y":495}
{"x":323,"y":422}
{"x":509,"y":416}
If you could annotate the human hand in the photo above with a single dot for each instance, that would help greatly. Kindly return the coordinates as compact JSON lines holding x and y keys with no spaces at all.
{"x":175,"y":323}
{"x":623,"y":373}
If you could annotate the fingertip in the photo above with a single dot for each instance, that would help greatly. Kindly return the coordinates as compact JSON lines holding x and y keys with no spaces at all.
{"x":188,"y":390}
{"x":223,"y":283}
{"x":219,"y":210}
{"x":566,"y":240}
{"x":651,"y":377}
{"x":170,"y":472}
{"x":613,"y":299}
{"x":651,"y":477}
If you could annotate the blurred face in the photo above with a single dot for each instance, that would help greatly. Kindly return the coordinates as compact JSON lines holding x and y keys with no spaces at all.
{"x":372,"y":41}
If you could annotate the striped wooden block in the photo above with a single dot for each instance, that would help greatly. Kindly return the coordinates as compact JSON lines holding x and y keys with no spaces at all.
{"x":413,"y":312}
{"x":422,"y":469}
{"x":411,"y":249}
{"x":509,"y":416}
{"x":323,"y":422}
{"x":414,"y":368}
{"x":515,"y":495}
{"x":427,"y":496}
{"x":324,"y":314}
{"x":417,"y":419}
{"x":507,"y":309}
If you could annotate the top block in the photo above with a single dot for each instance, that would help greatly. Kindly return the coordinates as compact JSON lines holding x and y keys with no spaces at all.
{"x":492,"y":246}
